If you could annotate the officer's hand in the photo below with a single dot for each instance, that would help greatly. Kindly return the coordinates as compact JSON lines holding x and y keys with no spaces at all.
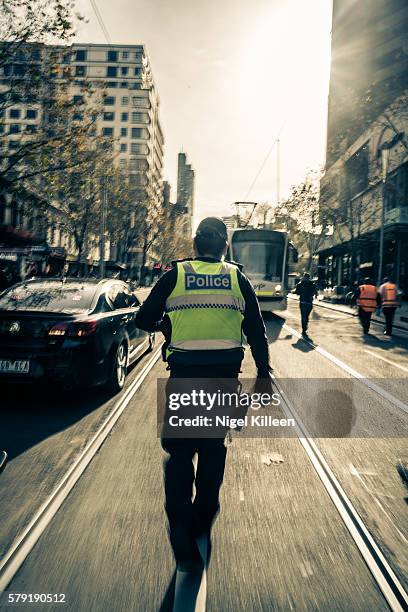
{"x":263,"y":384}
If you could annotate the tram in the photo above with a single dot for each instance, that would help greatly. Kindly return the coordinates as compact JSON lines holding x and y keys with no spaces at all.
{"x":266,"y":256}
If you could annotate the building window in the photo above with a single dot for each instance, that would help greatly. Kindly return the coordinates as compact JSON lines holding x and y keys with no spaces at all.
{"x":31,"y":114}
{"x":80,"y":71}
{"x":138,"y":71}
{"x":125,"y":54}
{"x":1,"y":128}
{"x":109,"y":101}
{"x":138,"y":101}
{"x":136,"y":132}
{"x":112,"y":56}
{"x":31,"y":129}
{"x":107,"y":131}
{"x":80,"y":55}
{"x":15,"y":128}
{"x":135,"y":86}
{"x":15,"y":113}
{"x":109,"y":116}
{"x":123,"y":132}
{"x":124,"y":70}
{"x":136,"y":117}
{"x":396,"y":188}
{"x":135,"y":147}
{"x":78,"y":99}
{"x":356,"y":172}
{"x":111,"y":84}
{"x":124,"y":117}
{"x":123,"y":147}
{"x":139,"y":55}
{"x":13,"y":144}
{"x":124,"y":85}
{"x":122,"y":163}
{"x":111,"y":71}
{"x":125,"y":101}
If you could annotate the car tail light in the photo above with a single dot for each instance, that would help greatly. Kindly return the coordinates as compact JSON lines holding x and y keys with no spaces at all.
{"x":78,"y":329}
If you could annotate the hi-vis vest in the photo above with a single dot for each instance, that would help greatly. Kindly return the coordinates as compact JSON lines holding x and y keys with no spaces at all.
{"x":368,"y":298}
{"x":206,"y":307}
{"x":389,"y":295}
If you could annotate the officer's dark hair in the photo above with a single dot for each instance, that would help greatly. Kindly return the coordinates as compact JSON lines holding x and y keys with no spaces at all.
{"x":207,"y":243}
{"x":211,"y":237}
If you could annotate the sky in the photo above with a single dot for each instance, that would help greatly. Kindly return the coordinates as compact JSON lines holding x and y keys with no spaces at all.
{"x":232,"y":76}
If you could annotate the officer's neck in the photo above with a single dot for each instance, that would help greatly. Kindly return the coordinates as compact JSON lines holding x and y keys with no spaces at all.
{"x":207,"y":257}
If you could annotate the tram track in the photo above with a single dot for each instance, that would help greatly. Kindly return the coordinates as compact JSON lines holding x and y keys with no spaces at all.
{"x":27,"y":539}
{"x":386,"y":579}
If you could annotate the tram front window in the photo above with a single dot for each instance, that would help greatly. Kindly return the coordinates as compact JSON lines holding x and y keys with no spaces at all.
{"x":260,"y":259}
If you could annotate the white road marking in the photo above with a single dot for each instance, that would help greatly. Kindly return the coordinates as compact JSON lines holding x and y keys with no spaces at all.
{"x":363,"y":379}
{"x":355,"y":472}
{"x":241,"y":495}
{"x":392,"y":589}
{"x":396,"y":365}
{"x":24,"y":543}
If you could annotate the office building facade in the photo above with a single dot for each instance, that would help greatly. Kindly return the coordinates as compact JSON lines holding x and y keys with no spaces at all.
{"x":185,"y":193}
{"x":367,"y":112}
{"x":130,"y":117}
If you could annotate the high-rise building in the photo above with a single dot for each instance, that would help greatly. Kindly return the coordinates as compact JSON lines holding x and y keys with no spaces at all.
{"x":130,"y":111}
{"x":185,"y":191}
{"x":364,"y":198}
{"x":369,"y":66}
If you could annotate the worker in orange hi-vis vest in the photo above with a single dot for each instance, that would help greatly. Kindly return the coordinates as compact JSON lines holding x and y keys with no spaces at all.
{"x":389,"y":302}
{"x":367,"y":302}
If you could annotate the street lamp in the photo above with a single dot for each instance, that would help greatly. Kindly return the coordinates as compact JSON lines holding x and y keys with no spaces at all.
{"x":384,"y":151}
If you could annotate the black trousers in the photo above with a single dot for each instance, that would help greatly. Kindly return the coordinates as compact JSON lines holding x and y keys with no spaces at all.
{"x":189,"y":517}
{"x":305,"y":310}
{"x":365,"y":319}
{"x":389,"y":314}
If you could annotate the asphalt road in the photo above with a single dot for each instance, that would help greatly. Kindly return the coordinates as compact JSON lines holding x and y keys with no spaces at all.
{"x":279,"y":543}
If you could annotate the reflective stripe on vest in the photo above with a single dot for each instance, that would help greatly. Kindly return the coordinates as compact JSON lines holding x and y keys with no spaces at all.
{"x":389,"y":296}
{"x":368,"y":298}
{"x":206,"y":307}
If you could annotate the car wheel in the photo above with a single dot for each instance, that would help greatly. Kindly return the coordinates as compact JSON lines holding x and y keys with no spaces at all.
{"x":118,"y":373}
{"x":152,"y":341}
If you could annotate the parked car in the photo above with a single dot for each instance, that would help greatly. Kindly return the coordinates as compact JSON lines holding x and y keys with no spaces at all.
{"x":71,"y":331}
{"x":336,"y":294}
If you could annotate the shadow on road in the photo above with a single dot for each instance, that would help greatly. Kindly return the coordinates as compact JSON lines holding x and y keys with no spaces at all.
{"x":273,"y":326}
{"x":302,"y":345}
{"x":32,"y":414}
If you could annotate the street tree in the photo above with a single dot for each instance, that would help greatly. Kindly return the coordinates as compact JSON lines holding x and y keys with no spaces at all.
{"x":301,"y":216}
{"x":39,"y":76}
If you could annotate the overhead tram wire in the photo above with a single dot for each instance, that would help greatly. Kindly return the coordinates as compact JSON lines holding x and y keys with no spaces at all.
{"x":101,"y":22}
{"x":275,"y":142}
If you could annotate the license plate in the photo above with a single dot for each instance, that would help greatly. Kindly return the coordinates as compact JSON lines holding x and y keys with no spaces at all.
{"x":14,"y":367}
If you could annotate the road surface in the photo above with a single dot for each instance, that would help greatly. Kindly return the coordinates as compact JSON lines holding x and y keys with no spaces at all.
{"x":279,"y":542}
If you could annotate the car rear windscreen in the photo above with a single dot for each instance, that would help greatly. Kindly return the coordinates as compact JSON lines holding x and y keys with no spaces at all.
{"x":49,"y":297}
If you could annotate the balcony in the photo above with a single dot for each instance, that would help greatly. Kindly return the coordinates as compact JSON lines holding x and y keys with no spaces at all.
{"x":396,"y":215}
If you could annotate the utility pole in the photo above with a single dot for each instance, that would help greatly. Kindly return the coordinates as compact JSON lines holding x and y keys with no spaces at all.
{"x":277,"y":171}
{"x":103,"y":230}
{"x":384,"y":150}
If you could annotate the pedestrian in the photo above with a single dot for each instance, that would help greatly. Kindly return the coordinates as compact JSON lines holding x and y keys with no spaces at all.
{"x":388,"y":292}
{"x":367,"y":301}
{"x":204,"y":306}
{"x":306,"y":290}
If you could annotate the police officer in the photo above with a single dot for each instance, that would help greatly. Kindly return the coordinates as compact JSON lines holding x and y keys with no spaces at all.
{"x":388,"y":292}
{"x":367,"y":302}
{"x":204,"y":306}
